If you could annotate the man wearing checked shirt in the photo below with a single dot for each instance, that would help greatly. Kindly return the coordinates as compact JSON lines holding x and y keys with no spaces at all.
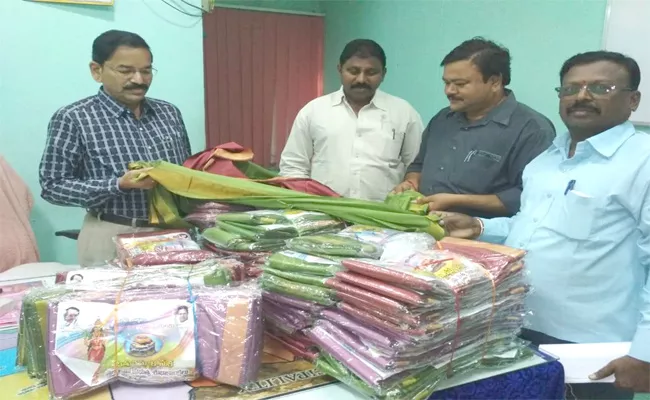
{"x":585,"y":223}
{"x":91,"y":142}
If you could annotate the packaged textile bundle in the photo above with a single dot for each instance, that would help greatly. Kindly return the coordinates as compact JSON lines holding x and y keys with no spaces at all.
{"x":289,"y":314}
{"x":212,"y":272}
{"x":266,"y":230}
{"x":223,"y":239}
{"x":81,"y":340}
{"x":252,"y":260}
{"x":335,"y":245}
{"x":305,"y":276}
{"x":390,"y":240}
{"x":11,"y":297}
{"x":278,"y":224}
{"x":285,"y":317}
{"x":159,"y":248}
{"x":407,"y":321}
{"x":205,"y":215}
{"x":298,"y":344}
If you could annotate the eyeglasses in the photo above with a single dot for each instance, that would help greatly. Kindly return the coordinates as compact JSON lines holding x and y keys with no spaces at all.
{"x":129,"y":73}
{"x":597,"y":89}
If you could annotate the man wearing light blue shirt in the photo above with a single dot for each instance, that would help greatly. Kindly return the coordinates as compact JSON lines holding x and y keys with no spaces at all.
{"x":585,"y":223}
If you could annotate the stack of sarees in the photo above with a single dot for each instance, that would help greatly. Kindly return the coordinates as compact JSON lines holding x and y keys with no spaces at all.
{"x":82,"y":337}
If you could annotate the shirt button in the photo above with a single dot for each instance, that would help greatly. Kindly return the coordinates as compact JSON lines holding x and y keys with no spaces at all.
{"x":442,"y":168}
{"x":535,"y":220}
{"x":453,"y":148}
{"x":548,"y":195}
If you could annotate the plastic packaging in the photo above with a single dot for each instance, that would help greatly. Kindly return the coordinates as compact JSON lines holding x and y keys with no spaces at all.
{"x":11,"y":297}
{"x":406,"y":322}
{"x":291,"y":261}
{"x":389,"y":238}
{"x":235,"y":242}
{"x":292,"y":302}
{"x":334,"y":245}
{"x":160,"y":248}
{"x":316,"y":294}
{"x":205,"y":215}
{"x":88,"y":339}
{"x":298,"y":344}
{"x":279,"y":224}
{"x":252,"y":261}
{"x":213,"y":272}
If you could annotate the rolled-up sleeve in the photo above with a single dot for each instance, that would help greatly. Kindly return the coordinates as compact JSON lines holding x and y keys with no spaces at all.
{"x":533,"y":141}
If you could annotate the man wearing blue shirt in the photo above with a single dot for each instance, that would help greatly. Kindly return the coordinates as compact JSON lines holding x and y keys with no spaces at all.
{"x":585,"y":223}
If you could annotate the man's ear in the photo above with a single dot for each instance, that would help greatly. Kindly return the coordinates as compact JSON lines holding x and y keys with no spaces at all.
{"x":635,"y":100}
{"x":496,"y":81}
{"x":96,"y":71}
{"x":339,"y":68}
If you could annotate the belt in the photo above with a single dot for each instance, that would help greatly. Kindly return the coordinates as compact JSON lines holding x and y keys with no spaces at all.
{"x":116,"y":219}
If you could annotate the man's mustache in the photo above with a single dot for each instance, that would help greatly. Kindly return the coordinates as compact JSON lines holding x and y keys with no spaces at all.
{"x":583,"y":106}
{"x":136,"y":86}
{"x":360,"y":86}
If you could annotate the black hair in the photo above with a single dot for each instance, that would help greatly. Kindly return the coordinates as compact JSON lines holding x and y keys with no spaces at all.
{"x":104,"y":45}
{"x":183,"y":308}
{"x":490,"y":58}
{"x":589,"y":57}
{"x":72,"y":308}
{"x":363,"y":48}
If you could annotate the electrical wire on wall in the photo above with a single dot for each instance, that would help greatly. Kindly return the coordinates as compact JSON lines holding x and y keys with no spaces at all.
{"x":180,"y":10}
{"x":195,"y":16}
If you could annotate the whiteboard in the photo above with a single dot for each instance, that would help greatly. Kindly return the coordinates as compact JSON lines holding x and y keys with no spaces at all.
{"x":626,"y":31}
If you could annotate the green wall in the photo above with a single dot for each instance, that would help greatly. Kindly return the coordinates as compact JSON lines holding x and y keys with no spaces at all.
{"x":416,"y":35}
{"x":45,"y":51}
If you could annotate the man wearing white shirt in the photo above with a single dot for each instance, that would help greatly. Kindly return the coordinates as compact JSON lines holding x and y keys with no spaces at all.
{"x":357,"y":140}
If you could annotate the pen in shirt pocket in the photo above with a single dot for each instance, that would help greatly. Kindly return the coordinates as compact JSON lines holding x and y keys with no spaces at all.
{"x":393,"y":133}
{"x":570,"y":186}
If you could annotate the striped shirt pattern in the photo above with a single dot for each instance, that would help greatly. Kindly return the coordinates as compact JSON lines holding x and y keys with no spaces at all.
{"x":90,"y":144}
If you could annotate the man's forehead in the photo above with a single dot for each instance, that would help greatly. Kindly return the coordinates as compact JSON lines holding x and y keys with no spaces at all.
{"x":596,"y":71}
{"x":462,"y":68}
{"x":130,"y":56}
{"x":362,"y":62}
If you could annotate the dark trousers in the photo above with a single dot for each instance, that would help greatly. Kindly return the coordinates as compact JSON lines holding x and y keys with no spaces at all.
{"x":580,"y":391}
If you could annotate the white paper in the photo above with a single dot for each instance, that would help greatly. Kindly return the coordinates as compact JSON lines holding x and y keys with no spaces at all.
{"x":581,"y":360}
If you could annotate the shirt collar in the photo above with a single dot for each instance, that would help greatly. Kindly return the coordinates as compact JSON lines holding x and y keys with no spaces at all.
{"x":116,"y":108}
{"x":378,"y":100}
{"x":605,"y":143}
{"x":501,"y":113}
